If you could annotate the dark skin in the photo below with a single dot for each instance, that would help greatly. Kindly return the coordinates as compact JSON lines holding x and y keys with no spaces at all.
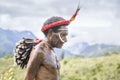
{"x":43,"y":63}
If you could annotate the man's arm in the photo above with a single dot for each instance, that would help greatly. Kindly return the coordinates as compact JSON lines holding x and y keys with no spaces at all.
{"x":35,"y":60}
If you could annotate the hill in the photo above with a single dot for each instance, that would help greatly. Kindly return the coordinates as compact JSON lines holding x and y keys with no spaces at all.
{"x":8,"y":39}
{"x":73,"y":47}
{"x":86,"y":49}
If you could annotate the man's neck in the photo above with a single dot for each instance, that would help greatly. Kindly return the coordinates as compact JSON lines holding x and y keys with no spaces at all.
{"x":48,"y":43}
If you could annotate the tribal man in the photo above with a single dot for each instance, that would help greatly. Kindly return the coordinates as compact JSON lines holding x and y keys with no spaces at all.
{"x":43,"y":63}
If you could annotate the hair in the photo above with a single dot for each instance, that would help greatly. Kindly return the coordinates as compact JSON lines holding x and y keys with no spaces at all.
{"x":51,"y":20}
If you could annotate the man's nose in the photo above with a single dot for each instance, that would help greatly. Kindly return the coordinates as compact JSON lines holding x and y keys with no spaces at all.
{"x":65,"y":39}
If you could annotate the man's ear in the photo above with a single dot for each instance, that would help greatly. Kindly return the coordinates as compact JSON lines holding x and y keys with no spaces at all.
{"x":50,"y":31}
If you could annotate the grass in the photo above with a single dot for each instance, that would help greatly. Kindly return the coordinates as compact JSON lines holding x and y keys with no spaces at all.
{"x":7,"y":63}
{"x":102,"y":68}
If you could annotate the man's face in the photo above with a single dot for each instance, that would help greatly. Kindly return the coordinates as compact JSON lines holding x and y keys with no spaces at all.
{"x":60,"y":37}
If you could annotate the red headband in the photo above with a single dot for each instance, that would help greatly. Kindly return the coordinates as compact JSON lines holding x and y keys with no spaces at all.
{"x":61,"y":22}
{"x":57,"y":23}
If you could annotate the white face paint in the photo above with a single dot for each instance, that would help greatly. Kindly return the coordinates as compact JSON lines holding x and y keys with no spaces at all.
{"x":60,"y":34}
{"x":61,"y":38}
{"x":63,"y":29}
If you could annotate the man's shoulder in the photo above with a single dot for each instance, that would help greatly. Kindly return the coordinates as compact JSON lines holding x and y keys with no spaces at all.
{"x":38,"y":50}
{"x":42,"y":46}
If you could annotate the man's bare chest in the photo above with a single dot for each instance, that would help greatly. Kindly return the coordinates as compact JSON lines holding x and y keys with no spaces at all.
{"x":51,"y":60}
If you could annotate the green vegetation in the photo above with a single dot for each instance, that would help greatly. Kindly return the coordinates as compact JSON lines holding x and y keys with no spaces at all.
{"x":8,"y":71}
{"x":102,"y":68}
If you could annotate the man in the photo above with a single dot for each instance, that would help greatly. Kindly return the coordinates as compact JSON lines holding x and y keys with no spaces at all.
{"x":43,"y":63}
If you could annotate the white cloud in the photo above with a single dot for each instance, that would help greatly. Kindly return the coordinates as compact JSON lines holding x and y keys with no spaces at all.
{"x":98,"y":21}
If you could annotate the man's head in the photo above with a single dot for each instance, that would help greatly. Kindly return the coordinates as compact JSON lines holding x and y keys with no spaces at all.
{"x":56,"y":31}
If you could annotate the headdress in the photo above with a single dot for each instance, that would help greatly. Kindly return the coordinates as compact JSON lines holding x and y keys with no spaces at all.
{"x":61,"y":22}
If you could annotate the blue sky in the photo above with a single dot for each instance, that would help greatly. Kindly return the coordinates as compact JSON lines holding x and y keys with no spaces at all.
{"x":97,"y":22}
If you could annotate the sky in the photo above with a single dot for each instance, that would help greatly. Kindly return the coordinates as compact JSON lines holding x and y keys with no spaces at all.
{"x":97,"y":22}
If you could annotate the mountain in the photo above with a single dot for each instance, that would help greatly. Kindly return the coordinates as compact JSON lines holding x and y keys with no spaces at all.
{"x":8,"y":38}
{"x":86,"y":49}
{"x":72,"y":48}
{"x":104,"y":52}
{"x":62,"y":53}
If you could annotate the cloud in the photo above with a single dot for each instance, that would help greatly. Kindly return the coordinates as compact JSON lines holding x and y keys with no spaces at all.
{"x":18,"y":8}
{"x":45,"y":7}
{"x":97,"y":20}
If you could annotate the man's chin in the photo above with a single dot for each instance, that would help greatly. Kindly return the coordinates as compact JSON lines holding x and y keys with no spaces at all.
{"x":60,"y":46}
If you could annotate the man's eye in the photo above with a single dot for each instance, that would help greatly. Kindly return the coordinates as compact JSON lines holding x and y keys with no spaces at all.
{"x":63,"y":35}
